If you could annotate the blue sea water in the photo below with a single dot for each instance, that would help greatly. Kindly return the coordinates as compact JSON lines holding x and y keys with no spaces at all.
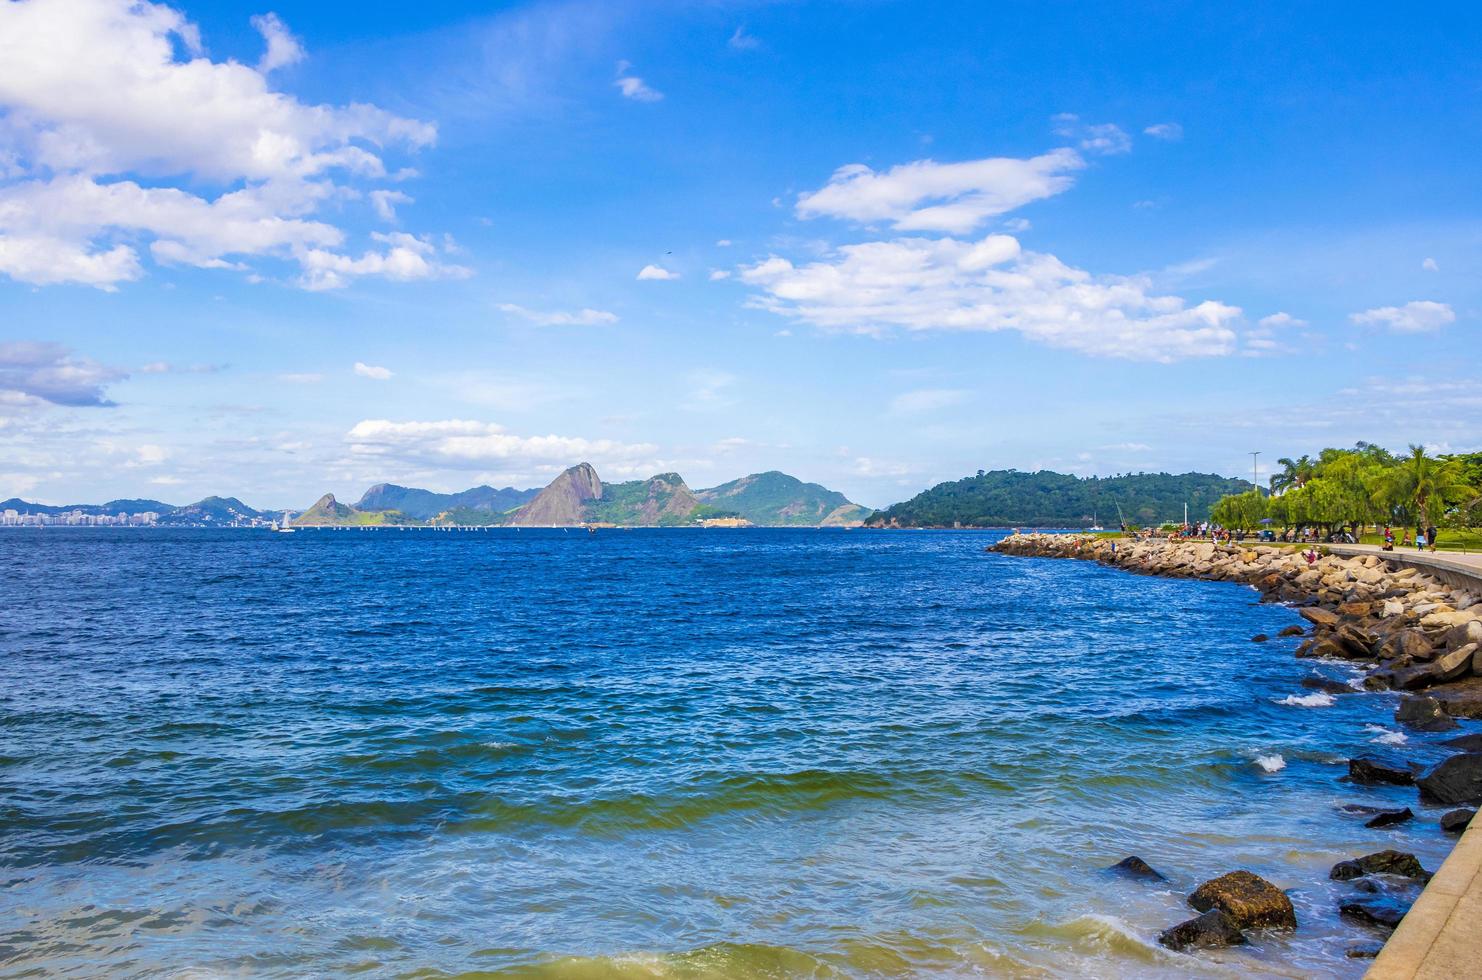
{"x":767,"y":753}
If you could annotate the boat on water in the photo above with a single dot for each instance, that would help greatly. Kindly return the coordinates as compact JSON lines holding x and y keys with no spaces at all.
{"x":284,"y":527}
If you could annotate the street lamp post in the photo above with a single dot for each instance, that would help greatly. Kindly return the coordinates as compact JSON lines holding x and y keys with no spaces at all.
{"x":1253,"y":471}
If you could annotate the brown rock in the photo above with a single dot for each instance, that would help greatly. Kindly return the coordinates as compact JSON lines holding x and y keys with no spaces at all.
{"x":1213,"y":928}
{"x":1319,"y":616}
{"x":1359,"y":609}
{"x":1291,"y":631}
{"x":1249,"y":900}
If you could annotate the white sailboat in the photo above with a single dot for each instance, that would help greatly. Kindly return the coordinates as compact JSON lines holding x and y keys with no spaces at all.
{"x":285,"y":527}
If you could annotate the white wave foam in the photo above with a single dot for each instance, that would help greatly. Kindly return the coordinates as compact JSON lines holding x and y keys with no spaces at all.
{"x":1271,"y":763}
{"x":1384,"y":736}
{"x":1321,"y":699}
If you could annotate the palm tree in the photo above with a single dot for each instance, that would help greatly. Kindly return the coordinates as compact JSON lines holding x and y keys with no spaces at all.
{"x":1294,"y":473}
{"x":1422,"y":485}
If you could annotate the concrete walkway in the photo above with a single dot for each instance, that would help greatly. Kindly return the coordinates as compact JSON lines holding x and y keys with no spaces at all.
{"x":1437,"y":939}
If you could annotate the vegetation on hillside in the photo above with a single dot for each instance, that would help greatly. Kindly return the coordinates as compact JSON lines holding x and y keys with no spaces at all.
{"x":1011,"y":498}
{"x":776,"y":499}
{"x":1350,"y":489}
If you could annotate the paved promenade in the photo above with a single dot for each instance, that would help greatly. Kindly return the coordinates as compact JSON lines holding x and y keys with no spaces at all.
{"x":1452,"y":567}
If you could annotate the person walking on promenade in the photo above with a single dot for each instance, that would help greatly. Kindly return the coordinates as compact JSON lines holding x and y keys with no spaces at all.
{"x":1430,"y":536}
{"x":1420,"y":539}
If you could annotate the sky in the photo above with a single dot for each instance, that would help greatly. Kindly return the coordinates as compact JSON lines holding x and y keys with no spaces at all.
{"x":277,"y":251}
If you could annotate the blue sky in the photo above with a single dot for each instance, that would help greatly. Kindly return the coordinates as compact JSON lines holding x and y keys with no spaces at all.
{"x":278,"y":251}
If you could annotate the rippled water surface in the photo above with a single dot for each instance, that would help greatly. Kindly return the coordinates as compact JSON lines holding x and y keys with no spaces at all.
{"x":668,"y":753}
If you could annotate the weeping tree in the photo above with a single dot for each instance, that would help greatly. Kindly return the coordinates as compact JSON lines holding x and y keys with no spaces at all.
{"x":1240,"y":511}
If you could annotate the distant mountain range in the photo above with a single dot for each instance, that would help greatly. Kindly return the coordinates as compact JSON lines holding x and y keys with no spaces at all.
{"x":578,"y":496}
{"x":1010,"y":498}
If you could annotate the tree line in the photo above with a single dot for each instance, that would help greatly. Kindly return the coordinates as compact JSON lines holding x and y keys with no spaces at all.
{"x":1349,"y":489}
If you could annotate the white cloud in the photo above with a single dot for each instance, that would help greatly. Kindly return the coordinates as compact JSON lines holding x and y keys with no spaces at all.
{"x":1103,"y":139}
{"x":1429,"y":265}
{"x":926,"y":401}
{"x":633,"y":87}
{"x":1129,"y":447}
{"x":657,"y":273}
{"x":406,"y":258}
{"x":101,"y":117}
{"x":461,"y":442}
{"x":1017,"y":225}
{"x":584,"y":317}
{"x":708,"y":389}
{"x":990,"y":285}
{"x":32,"y":373}
{"x":1169,"y":131}
{"x":723,"y":243}
{"x":385,"y":203}
{"x":867,"y":466}
{"x":741,"y":41}
{"x":931,"y":196}
{"x":1420,"y":316}
{"x":718,"y":274}
{"x":373,"y":372}
{"x":1280,"y":320}
{"x":283,"y":49}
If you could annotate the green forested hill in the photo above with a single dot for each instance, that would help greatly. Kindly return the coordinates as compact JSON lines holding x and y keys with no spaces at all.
{"x":1007,"y":498}
{"x":775,"y":499}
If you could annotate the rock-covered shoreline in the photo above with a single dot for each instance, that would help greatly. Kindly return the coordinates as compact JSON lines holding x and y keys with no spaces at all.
{"x":1408,"y":630}
{"x":1413,"y":631}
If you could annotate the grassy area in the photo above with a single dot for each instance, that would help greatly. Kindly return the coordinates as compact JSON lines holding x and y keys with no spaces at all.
{"x":1449,"y":540}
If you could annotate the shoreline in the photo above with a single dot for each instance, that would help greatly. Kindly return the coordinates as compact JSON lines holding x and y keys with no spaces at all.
{"x":1414,"y":635}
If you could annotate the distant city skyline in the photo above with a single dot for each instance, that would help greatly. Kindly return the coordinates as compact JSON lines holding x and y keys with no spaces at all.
{"x":277,"y":252}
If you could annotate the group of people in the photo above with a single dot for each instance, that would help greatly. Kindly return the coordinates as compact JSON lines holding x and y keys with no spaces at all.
{"x":1425,"y":538}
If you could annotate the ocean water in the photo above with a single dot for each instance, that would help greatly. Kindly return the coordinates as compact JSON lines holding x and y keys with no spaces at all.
{"x":652,"y":753}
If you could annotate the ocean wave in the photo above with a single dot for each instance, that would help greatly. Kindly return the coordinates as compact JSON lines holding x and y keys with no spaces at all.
{"x":1271,"y":763}
{"x":1385,"y":736}
{"x":1319,"y":699}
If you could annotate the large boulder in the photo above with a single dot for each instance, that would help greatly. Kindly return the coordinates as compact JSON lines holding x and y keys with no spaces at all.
{"x":1249,"y":900}
{"x":1370,"y":771}
{"x":1374,"y":912}
{"x":1455,"y":821}
{"x":1457,"y":663}
{"x":1318,"y":616}
{"x":1424,"y":714}
{"x":1136,"y":867}
{"x":1388,"y":818}
{"x":1357,"y":643}
{"x":1465,"y":743}
{"x":1456,"y":780}
{"x":1397,"y":863}
{"x":1317,"y":682}
{"x":1406,"y":643}
{"x":1213,"y":928}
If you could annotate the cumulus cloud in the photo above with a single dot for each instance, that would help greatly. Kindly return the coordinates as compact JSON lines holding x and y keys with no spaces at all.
{"x":467,"y":443}
{"x":584,"y":317}
{"x":633,"y":87}
{"x":33,"y":372}
{"x":950,"y":197}
{"x":993,"y":284}
{"x":384,"y":202}
{"x":926,"y":400}
{"x":1279,"y":320}
{"x":372,"y":371}
{"x":656,"y":273}
{"x":1103,"y":139}
{"x":1420,"y":316}
{"x":114,"y":140}
{"x":716,"y":275}
{"x":1169,"y":131}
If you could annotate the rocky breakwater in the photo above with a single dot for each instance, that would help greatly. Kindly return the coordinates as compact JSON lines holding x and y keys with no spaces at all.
{"x":1409,"y":629}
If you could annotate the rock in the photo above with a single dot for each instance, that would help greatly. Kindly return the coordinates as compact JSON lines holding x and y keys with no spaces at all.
{"x":1318,"y":616}
{"x":1456,"y":780}
{"x":1406,"y":643}
{"x":1259,"y":638}
{"x":1359,"y":643}
{"x":1424,"y":714}
{"x":1290,"y":631}
{"x":1362,"y":809}
{"x":1446,"y":616}
{"x":1250,"y":900}
{"x":1325,"y":648}
{"x":1213,"y":928}
{"x":1374,"y":913}
{"x":1457,"y":663}
{"x":1136,"y":867}
{"x":1460,"y":636}
{"x":1397,"y":863}
{"x":1369,"y":771}
{"x":1363,"y":952}
{"x":1455,"y":821}
{"x":1392,"y":608}
{"x":1359,"y":609}
{"x":1388,"y":818}
{"x":1316,"y":682}
{"x":1466,"y":743}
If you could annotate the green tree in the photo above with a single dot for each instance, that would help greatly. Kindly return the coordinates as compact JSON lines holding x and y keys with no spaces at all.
{"x":1294,"y":473}
{"x":1419,"y":487}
